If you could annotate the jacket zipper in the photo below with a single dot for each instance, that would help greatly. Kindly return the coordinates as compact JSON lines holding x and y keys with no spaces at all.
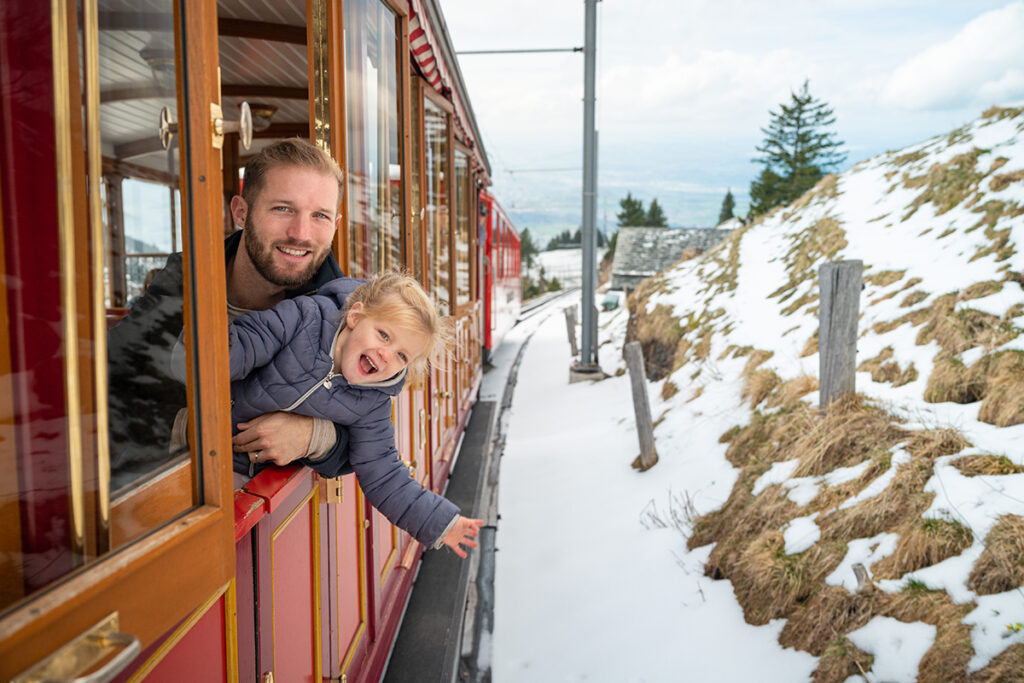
{"x":325,"y":383}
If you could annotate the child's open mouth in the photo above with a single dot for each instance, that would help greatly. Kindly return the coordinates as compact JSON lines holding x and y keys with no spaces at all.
{"x":366,"y":365}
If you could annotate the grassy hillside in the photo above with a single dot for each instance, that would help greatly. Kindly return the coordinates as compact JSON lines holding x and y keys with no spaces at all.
{"x":919,"y":477}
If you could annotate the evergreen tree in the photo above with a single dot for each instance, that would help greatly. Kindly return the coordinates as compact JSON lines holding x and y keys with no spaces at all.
{"x":765,"y":192}
{"x":632,"y":211}
{"x":797,"y":151}
{"x":728,"y":204}
{"x":655,"y":216}
{"x":527,"y":249}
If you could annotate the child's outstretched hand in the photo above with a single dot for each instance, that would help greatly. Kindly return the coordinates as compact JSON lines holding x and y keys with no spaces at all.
{"x":462,"y":534}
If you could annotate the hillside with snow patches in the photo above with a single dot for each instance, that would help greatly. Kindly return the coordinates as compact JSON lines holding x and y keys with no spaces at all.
{"x":920,"y":477}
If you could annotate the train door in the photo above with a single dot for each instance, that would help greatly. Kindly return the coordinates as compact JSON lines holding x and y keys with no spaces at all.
{"x":438,"y":225}
{"x":467,"y":307}
{"x":86,"y":551}
{"x":376,"y":238}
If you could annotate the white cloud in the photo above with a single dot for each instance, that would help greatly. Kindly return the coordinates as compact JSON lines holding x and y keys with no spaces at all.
{"x":981,"y":65}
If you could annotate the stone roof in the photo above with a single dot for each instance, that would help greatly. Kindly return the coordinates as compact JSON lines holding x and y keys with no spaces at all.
{"x":642,"y":252}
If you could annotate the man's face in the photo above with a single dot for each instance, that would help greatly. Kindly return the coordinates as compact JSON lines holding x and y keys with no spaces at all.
{"x":290,"y":224}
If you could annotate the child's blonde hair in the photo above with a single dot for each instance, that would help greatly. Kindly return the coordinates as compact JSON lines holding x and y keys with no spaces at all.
{"x":396,"y":296}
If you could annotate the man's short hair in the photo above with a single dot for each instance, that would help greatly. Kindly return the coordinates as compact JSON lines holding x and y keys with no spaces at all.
{"x":296,"y":152}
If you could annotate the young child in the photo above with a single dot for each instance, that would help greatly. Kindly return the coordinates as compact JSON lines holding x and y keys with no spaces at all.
{"x":341,"y":354}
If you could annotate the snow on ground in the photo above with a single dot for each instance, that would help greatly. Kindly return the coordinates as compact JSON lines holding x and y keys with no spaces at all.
{"x":587,"y":585}
{"x":593,"y":578}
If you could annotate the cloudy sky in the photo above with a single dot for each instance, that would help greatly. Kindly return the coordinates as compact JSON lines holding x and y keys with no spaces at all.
{"x":684,"y":87}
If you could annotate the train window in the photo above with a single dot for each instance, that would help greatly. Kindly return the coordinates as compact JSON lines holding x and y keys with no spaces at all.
{"x":374,"y":150}
{"x":435,"y":125}
{"x":463,"y":216}
{"x":152,"y":231}
{"x":416,"y":210}
{"x":59,"y":490}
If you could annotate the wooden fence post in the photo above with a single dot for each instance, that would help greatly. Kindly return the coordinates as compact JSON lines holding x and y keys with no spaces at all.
{"x":570,"y":327}
{"x":644,"y":427}
{"x":840,"y":285}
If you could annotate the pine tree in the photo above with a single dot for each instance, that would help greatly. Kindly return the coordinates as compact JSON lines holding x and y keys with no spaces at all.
{"x":632,"y":211}
{"x":728,"y":204}
{"x":527,"y":249}
{"x":798,"y":150}
{"x":655,"y":216}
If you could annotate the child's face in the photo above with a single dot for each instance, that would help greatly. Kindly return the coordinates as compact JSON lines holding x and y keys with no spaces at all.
{"x":373,"y":350}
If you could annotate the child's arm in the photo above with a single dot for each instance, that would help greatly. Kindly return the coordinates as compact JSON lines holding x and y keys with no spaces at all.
{"x":256,"y":337}
{"x":386,"y":483}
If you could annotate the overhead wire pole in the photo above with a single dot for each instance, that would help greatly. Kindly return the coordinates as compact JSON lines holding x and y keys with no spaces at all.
{"x":588,"y":347}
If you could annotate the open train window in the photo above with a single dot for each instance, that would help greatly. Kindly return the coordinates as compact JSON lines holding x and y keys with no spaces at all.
{"x":89,"y":82}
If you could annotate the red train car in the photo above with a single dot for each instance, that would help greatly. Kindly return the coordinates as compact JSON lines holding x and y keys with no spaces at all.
{"x":503,"y":284}
{"x":121,"y":140}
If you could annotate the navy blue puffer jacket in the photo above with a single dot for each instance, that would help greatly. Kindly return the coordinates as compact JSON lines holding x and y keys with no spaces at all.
{"x":282,"y":359}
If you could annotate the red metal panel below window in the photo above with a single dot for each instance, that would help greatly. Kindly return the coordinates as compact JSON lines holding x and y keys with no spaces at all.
{"x":295,"y":598}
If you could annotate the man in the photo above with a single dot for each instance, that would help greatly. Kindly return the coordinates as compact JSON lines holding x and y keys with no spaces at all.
{"x":289,"y":210}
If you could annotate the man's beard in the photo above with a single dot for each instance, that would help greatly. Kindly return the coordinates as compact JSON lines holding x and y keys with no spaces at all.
{"x":261,"y":253}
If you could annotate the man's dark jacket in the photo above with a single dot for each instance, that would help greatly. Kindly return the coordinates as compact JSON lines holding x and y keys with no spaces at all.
{"x":144,"y":394}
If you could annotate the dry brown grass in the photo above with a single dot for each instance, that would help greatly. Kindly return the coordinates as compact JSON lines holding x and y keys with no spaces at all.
{"x":851,"y":431}
{"x":903,"y":500}
{"x":914,"y":298}
{"x":792,"y":390}
{"x":946,"y":185}
{"x":1001,"y":565}
{"x":951,"y":380}
{"x":929,"y":444}
{"x":980,"y":290}
{"x":841,"y":660}
{"x":884,"y":278}
{"x":769,"y":438}
{"x":922,"y":543}
{"x":833,"y":609}
{"x":1002,"y":181}
{"x":820,"y":242}
{"x":770,"y":584}
{"x":883,"y":369}
{"x":830,"y":497}
{"x":738,"y":524}
{"x":1006,"y":667}
{"x":990,"y":465}
{"x":755,"y":358}
{"x":811,"y":347}
{"x":1003,"y":404}
{"x":946,"y":660}
{"x":668,"y":390}
{"x":696,"y":393}
{"x":758,"y":385}
{"x":659,"y":334}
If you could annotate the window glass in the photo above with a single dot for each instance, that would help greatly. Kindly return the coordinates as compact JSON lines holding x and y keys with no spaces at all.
{"x":416,"y":210}
{"x":435,"y":126}
{"x":462,"y":223}
{"x":374,"y":154}
{"x":58,"y":512}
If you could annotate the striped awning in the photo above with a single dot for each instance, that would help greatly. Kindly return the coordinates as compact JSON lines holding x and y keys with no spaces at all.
{"x":425,"y":50}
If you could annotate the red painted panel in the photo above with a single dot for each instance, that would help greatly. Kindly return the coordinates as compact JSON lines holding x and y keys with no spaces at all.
{"x":275,"y":484}
{"x":350,"y":581}
{"x":248,"y":511}
{"x":245,"y":590}
{"x":200,"y":655}
{"x":294,"y":599}
{"x":28,"y":171}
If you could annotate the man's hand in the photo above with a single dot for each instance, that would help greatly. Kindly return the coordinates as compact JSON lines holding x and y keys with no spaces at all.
{"x":278,"y":438}
{"x":462,"y":533}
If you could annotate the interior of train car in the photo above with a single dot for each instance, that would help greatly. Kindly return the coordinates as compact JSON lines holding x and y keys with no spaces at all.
{"x":123,"y":131}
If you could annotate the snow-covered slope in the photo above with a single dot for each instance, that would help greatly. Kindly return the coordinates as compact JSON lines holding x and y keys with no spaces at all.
{"x":939,"y":227}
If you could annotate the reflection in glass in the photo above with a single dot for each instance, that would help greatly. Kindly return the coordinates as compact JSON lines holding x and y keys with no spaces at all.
{"x":462,"y":223}
{"x":416,"y":210}
{"x":374,"y":154}
{"x":435,"y":126}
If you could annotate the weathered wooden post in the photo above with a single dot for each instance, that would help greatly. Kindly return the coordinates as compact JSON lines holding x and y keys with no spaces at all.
{"x":840,"y":285}
{"x":644,"y":427}
{"x":570,"y":327}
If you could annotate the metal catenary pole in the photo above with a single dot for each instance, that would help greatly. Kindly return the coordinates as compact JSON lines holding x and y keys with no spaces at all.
{"x":588,"y":351}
